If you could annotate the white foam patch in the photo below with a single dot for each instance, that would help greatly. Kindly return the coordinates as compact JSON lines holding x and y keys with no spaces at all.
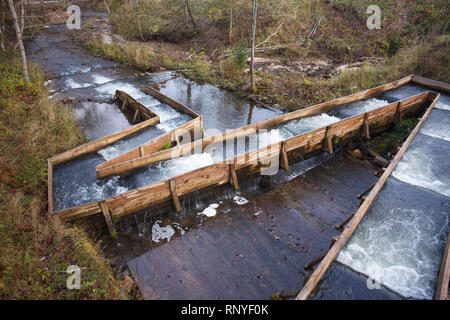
{"x":416,"y":168}
{"x":71,"y":84}
{"x":398,"y":250}
{"x":303,"y":125}
{"x":99,"y":79}
{"x":109,"y":89}
{"x":160,"y":233}
{"x":441,"y":105}
{"x":175,"y":167}
{"x":210,"y":211}
{"x":359,"y":107}
{"x":240,"y":200}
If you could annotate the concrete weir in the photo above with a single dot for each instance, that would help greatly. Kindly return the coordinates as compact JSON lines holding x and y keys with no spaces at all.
{"x":259,"y":248}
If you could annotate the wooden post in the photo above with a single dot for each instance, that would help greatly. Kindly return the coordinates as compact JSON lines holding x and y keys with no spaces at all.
{"x":365,"y":129}
{"x":398,"y":114}
{"x":284,"y":157}
{"x":50,"y":186}
{"x":141,"y":151}
{"x":124,"y":104}
{"x":109,"y":223}
{"x":233,"y":177}
{"x":135,"y":115}
{"x":444,"y":274}
{"x":176,"y":201}
{"x":328,"y":141}
{"x":344,"y":223}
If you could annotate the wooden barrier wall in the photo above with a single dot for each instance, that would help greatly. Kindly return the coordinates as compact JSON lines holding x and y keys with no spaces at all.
{"x":221,"y":173}
{"x":133,"y":159}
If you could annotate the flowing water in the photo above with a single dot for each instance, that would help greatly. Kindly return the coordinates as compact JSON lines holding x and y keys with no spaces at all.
{"x":401,"y":240}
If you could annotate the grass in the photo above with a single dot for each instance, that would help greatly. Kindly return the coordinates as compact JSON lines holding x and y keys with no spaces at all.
{"x":289,"y":91}
{"x":33,"y":254}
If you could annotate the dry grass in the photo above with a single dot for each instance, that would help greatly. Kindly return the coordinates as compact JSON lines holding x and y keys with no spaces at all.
{"x":33,"y":255}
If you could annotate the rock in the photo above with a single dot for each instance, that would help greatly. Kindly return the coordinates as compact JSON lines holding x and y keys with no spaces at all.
{"x":357,"y":154}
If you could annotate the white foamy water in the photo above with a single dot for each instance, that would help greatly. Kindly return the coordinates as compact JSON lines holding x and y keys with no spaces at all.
{"x":303,"y":125}
{"x":160,"y":233}
{"x":358,"y":107}
{"x":441,"y":105}
{"x":71,"y":84}
{"x":109,"y":89}
{"x":437,"y":125}
{"x":400,"y":248}
{"x":420,"y":168}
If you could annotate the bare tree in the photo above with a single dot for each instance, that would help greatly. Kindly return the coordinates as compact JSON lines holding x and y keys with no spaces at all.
{"x":252,"y":61}
{"x":136,"y":8}
{"x":230,"y":34}
{"x":191,"y":15}
{"x":2,"y":30}
{"x":22,"y":16}
{"x":19,"y":40}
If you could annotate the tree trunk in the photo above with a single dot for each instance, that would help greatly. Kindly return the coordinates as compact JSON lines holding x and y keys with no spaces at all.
{"x":22,"y":16}
{"x":136,"y":7}
{"x":230,"y":35}
{"x":188,"y":6}
{"x":2,"y":31}
{"x":252,"y":61}
{"x":19,"y":40}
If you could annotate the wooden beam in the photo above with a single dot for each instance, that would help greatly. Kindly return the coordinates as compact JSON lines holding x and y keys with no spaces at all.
{"x":176,"y":201}
{"x":340,"y":227}
{"x":50,"y":186}
{"x":233,"y":177}
{"x":102,"y":142}
{"x":348,"y":232}
{"x":328,"y":142}
{"x":398,"y":114}
{"x":366,"y":127}
{"x":284,"y":157}
{"x":444,"y":274}
{"x":109,"y":223}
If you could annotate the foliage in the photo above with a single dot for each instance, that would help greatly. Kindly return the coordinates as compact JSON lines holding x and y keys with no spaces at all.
{"x":34,"y":255}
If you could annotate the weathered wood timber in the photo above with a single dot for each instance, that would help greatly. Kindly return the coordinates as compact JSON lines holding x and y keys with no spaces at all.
{"x":141,"y":112}
{"x":359,"y":214}
{"x":444,"y":275}
{"x":174,"y":104}
{"x":253,"y":161}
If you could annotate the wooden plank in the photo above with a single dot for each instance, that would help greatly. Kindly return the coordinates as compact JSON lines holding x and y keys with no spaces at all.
{"x":176,"y":201}
{"x":109,"y":223}
{"x":151,"y":146}
{"x":444,"y":274}
{"x":174,"y":104}
{"x":348,"y":231}
{"x":50,"y":186}
{"x":328,"y":146}
{"x":102,"y":142}
{"x":135,"y":105}
{"x":431,"y":83}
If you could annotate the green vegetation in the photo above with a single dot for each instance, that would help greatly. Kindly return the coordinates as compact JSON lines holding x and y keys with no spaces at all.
{"x":388,"y":141}
{"x":34,"y":256}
